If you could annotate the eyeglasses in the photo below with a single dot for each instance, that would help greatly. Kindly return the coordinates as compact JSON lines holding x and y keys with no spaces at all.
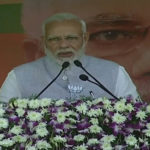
{"x":68,"y":38}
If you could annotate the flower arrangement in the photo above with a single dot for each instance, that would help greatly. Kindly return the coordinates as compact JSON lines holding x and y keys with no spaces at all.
{"x":87,"y":124}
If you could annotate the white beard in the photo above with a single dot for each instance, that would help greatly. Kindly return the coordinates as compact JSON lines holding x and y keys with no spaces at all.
{"x":53,"y":57}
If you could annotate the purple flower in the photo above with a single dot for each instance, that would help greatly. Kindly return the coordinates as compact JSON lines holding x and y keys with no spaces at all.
{"x":70,"y":141}
{"x":83,"y":125}
{"x":14,"y":119}
{"x":59,"y":126}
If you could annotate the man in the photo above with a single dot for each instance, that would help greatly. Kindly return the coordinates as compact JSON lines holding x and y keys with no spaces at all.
{"x":65,"y":38}
{"x":119,"y":31}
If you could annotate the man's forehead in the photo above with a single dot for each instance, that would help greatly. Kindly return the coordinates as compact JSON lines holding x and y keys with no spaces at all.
{"x":65,"y":26}
{"x":71,"y":22}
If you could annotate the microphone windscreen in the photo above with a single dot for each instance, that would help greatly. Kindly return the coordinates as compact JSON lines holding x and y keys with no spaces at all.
{"x":65,"y":64}
{"x":83,"y":77}
{"x":77,"y":63}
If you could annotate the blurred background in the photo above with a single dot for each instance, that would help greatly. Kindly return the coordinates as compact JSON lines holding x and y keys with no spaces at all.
{"x":11,"y":36}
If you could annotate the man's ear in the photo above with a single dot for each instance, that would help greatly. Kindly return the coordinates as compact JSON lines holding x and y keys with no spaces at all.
{"x":86,"y":37}
{"x":43,"y":41}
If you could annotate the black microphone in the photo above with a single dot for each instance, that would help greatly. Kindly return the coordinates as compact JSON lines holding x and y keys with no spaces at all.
{"x":79,"y":64}
{"x":84,"y":77}
{"x":64,"y":65}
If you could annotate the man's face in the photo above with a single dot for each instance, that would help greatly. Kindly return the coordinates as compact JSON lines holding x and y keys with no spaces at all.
{"x":64,"y":39}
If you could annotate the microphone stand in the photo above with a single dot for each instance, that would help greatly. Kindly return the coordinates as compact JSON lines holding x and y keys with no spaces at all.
{"x":64,"y":65}
{"x":79,"y":64}
{"x":103,"y":89}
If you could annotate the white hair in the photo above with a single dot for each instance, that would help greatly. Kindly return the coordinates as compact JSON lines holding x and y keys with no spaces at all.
{"x":62,"y":17}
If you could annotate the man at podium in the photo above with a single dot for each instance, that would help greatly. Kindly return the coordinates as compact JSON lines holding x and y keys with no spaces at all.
{"x":64,"y":40}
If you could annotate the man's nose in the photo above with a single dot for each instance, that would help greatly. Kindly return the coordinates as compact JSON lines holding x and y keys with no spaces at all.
{"x":64,"y":43}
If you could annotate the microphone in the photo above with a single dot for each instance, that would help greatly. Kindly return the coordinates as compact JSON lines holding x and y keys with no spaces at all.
{"x":79,"y":64}
{"x":84,"y":77}
{"x":64,"y":65}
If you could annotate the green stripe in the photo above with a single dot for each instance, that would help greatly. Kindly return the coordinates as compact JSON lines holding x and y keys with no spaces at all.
{"x":10,"y":18}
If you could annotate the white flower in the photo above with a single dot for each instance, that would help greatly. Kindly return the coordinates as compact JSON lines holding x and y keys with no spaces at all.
{"x":108,"y":138}
{"x":107,"y":103}
{"x":60,"y":102}
{"x":100,"y":112}
{"x":123,"y":100}
{"x":131,"y":140}
{"x":72,"y":120}
{"x":81,"y":147}
{"x":136,"y":146}
{"x":119,"y":147}
{"x":110,"y":108}
{"x":42,"y":124}
{"x":92,"y":113}
{"x":43,"y":145}
{"x":1,"y":136}
{"x":92,"y":141}
{"x":148,"y":108}
{"x":61,"y":117}
{"x":148,"y":125}
{"x":95,"y":129}
{"x":41,"y":131}
{"x":120,"y":106}
{"x":82,"y":108}
{"x":21,"y":103}
{"x":141,"y":140}
{"x":7,"y":143}
{"x":59,"y":139}
{"x":20,"y":138}
{"x":89,"y":103}
{"x":106,"y":120}
{"x":94,"y":121}
{"x":16,"y":130}
{"x":44,"y":111}
{"x":1,"y":105}
{"x":129,"y":107}
{"x":118,"y":118}
{"x":34,"y":103}
{"x":44,"y":102}
{"x":34,"y":116}
{"x":20,"y":112}
{"x":69,"y":113}
{"x":31,"y":148}
{"x":79,"y":137}
{"x":106,"y":146}
{"x":147,"y":132}
{"x":98,"y":100}
{"x":141,"y":114}
{"x":2,"y":111}
{"x":3,"y":123}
